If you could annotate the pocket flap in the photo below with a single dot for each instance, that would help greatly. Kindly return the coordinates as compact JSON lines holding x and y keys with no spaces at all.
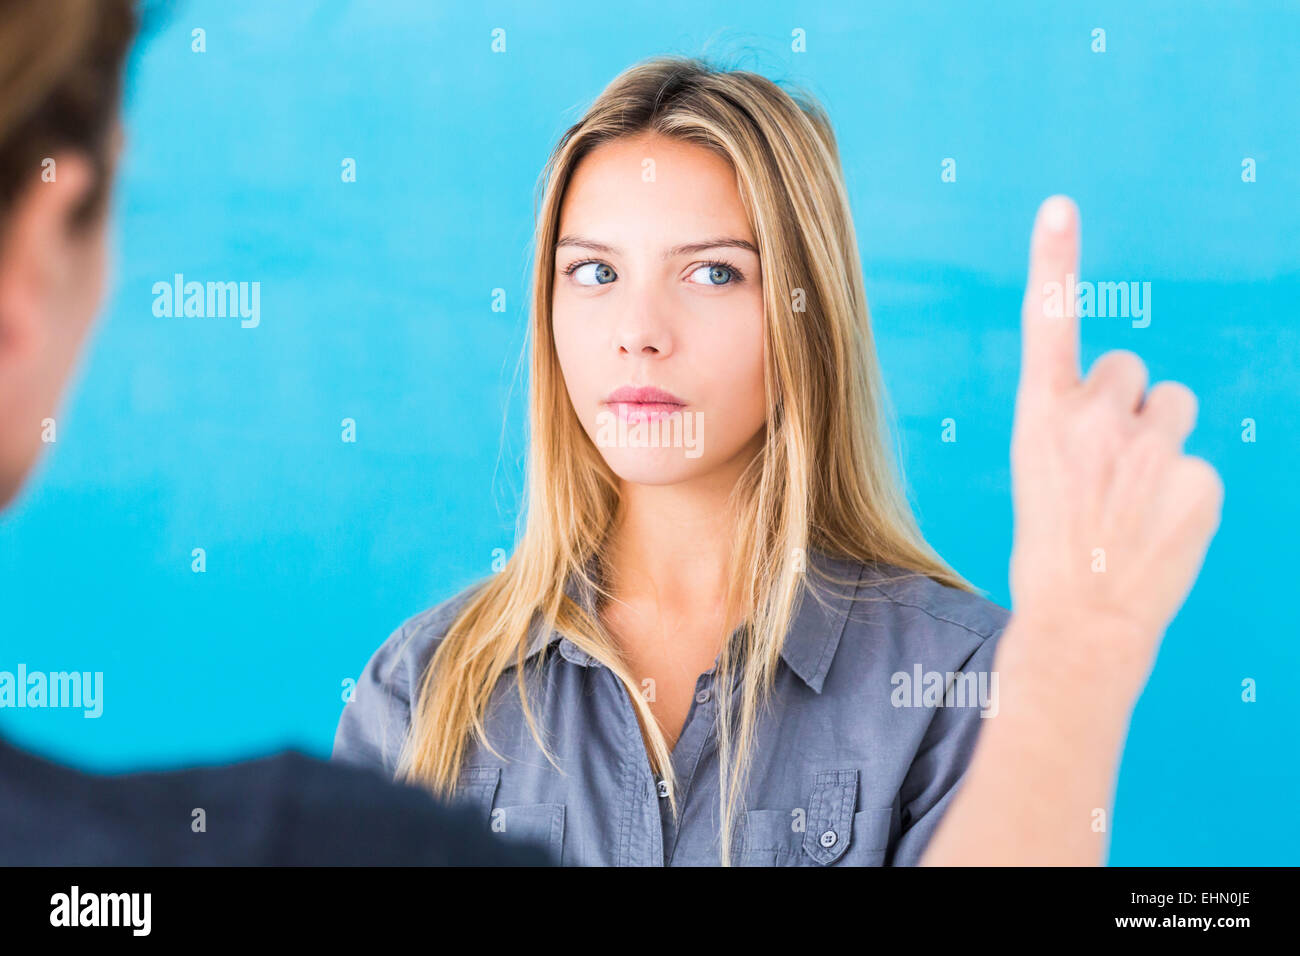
{"x":830,"y":815}
{"x":478,"y":789}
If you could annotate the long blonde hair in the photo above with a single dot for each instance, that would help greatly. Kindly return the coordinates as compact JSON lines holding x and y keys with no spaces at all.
{"x":824,"y":480}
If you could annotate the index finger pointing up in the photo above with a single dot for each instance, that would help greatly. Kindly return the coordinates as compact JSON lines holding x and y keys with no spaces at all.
{"x":1049,"y":356}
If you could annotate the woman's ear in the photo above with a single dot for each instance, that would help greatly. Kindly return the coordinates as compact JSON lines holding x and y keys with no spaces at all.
{"x":42,"y":251}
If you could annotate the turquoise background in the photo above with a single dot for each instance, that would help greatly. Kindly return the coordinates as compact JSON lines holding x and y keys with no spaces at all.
{"x":376,"y":306}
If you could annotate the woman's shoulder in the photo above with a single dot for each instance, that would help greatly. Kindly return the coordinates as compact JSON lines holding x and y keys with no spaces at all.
{"x":408,"y":649}
{"x":901,"y":617}
{"x":379,"y":712}
{"x":911,"y":593}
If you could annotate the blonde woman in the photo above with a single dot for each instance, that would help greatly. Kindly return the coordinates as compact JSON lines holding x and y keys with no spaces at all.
{"x":721,"y":637}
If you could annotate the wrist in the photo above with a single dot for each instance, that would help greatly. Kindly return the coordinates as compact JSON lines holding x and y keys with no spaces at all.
{"x":1091,"y":666}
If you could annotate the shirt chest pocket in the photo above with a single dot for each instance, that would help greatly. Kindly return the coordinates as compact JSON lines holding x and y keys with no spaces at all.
{"x":541,"y":824}
{"x":830,"y":829}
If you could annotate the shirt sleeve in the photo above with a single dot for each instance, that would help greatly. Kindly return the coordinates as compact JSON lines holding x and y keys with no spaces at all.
{"x":940,"y":764}
{"x":375,"y":721}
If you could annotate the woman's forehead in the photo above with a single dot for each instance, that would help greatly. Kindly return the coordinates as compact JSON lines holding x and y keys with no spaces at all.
{"x":655,"y":193}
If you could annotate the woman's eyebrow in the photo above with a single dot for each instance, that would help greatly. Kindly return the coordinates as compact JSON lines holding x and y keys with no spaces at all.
{"x":723,"y":242}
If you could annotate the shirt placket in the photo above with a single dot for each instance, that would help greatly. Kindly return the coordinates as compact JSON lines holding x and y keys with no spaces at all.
{"x":696,"y":733}
{"x":643,"y":843}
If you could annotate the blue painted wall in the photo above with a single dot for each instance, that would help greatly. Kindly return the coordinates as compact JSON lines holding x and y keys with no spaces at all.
{"x":376,"y":305}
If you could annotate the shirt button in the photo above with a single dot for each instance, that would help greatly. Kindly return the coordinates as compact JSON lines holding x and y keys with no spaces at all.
{"x":663,"y":788}
{"x":828,"y":839}
{"x":702,"y":697}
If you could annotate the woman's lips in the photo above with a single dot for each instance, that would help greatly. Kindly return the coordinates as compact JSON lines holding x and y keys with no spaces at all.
{"x":644,"y":403}
{"x":645,"y":411}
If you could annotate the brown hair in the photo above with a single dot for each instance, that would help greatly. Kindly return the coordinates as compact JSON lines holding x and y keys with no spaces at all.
{"x":60,"y":85}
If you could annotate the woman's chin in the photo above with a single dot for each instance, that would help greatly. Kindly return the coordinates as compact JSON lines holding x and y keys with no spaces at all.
{"x":653,"y":466}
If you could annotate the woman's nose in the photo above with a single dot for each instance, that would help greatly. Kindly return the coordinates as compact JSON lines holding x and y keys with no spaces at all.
{"x":643,"y":331}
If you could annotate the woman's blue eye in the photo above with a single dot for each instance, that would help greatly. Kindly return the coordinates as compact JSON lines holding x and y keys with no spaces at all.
{"x":592,"y":273}
{"x":601,"y":273}
{"x":715,"y":273}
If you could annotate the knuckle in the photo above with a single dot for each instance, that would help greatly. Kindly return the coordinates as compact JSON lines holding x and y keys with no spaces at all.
{"x":1176,"y":396}
{"x":1096,"y":414}
{"x":1097,"y":427}
{"x":1203,"y":480}
{"x":1122,"y":366}
{"x":1147,"y":456}
{"x":1130,"y":364}
{"x":1100,"y":410}
{"x":1151,"y":446}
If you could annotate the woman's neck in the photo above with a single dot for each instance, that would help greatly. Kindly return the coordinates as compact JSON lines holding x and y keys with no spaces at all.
{"x":671,"y":544}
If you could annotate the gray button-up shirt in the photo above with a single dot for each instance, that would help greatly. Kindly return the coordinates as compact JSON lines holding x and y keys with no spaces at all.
{"x":873,"y":719}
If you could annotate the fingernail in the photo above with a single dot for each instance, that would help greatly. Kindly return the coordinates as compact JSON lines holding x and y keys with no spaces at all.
{"x":1056,"y":214}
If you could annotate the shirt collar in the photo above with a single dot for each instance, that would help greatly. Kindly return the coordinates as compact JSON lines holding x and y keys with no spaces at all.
{"x":810,"y":643}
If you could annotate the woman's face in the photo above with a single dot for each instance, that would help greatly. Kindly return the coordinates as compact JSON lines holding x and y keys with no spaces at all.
{"x":658,"y":286}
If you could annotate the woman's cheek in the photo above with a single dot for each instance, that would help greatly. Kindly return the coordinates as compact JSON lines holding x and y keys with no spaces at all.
{"x":566,"y":330}
{"x":736,"y":382}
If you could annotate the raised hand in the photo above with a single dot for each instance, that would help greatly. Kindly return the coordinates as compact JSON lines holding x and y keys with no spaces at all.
{"x":1112,"y":519}
{"x":1112,"y":524}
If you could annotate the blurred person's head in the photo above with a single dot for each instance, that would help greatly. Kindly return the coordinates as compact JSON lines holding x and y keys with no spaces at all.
{"x":61,"y":64}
